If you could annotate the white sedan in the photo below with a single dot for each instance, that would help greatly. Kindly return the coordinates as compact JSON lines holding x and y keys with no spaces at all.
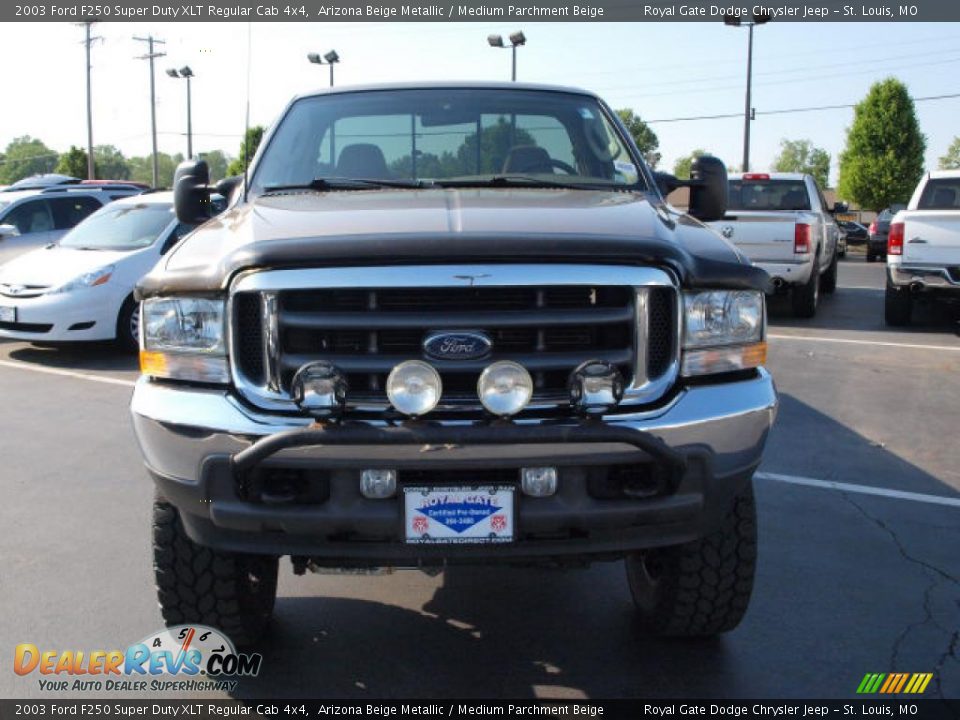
{"x":82,"y":287}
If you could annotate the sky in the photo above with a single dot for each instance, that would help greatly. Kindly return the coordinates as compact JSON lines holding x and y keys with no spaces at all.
{"x":660,"y":70}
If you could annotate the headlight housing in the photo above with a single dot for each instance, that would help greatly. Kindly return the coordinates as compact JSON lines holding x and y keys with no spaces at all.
{"x":183,"y":339}
{"x":90,"y":279}
{"x":723,"y":331}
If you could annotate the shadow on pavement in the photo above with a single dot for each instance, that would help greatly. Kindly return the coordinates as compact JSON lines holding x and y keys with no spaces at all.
{"x":77,"y":356}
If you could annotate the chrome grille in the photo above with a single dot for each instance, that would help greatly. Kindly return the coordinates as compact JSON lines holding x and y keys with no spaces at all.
{"x":366,"y":330}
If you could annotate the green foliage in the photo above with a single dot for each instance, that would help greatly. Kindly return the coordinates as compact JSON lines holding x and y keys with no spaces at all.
{"x":951,"y":161}
{"x":800,"y":156}
{"x":645,"y":138}
{"x":73,"y":162}
{"x":248,"y":149}
{"x":218,"y":161}
{"x":26,"y":156}
{"x":883,"y":159}
{"x":681,"y":168}
{"x":141,"y":168}
{"x":110,"y":163}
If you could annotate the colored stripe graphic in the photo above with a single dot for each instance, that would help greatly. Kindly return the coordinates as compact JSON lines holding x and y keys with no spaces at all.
{"x":903,"y":681}
{"x":892,"y":680}
{"x":894,"y":683}
{"x":862,"y":687}
{"x":923,"y":685}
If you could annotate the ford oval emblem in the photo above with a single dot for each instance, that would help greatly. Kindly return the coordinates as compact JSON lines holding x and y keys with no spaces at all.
{"x":462,"y":345}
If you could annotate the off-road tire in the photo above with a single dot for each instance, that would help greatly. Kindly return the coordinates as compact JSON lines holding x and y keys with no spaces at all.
{"x":700,"y":588}
{"x":828,"y":283}
{"x":805,"y":298}
{"x":232,"y":592}
{"x":897,"y":307}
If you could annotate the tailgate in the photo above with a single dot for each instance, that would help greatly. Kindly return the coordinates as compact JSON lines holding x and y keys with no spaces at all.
{"x":932,"y":236}
{"x":761,"y":236}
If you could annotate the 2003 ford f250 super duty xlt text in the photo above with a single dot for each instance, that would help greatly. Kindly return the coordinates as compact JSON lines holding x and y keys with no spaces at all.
{"x":453,"y":324}
{"x":923,"y":247}
{"x":782,"y":223}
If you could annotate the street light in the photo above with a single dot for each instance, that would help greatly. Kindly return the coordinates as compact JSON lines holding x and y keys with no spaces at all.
{"x":736,"y":21}
{"x":186,"y":73}
{"x":331,"y":59}
{"x":516,"y":40}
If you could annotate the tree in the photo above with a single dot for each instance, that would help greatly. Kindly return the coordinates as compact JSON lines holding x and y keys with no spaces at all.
{"x":110,"y":163}
{"x":800,"y":156}
{"x":646,"y":139}
{"x":883,"y":158}
{"x":26,"y":156}
{"x":248,"y":148}
{"x":218,"y":161}
{"x":681,"y":168}
{"x":73,"y":162}
{"x":141,"y":168}
{"x":951,"y":161}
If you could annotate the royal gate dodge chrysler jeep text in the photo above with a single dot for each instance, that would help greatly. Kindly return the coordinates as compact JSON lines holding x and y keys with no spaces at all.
{"x":453,"y":324}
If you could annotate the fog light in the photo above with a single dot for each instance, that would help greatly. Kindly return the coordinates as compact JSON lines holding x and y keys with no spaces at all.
{"x":378,"y":484}
{"x":414,"y":387}
{"x":505,"y":388}
{"x":319,"y":389}
{"x":595,"y":387}
{"x":538,"y":481}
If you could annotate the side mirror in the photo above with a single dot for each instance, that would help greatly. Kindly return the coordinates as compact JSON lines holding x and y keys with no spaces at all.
{"x":667,"y":182}
{"x":8,"y":231}
{"x":840,"y":207}
{"x":708,"y":188}
{"x":226,"y":186}
{"x":191,"y":192}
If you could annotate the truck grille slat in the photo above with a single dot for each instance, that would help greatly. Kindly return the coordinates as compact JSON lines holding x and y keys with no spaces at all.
{"x":367,"y":331}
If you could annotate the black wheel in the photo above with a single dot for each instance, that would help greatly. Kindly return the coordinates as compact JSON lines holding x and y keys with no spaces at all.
{"x":128,"y":325}
{"x":897,"y":306}
{"x":805,"y":297}
{"x":232,"y":592}
{"x":829,"y":280}
{"x":702,"y":587}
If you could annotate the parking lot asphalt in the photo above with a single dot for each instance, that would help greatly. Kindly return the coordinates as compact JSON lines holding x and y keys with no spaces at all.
{"x":859,"y":522}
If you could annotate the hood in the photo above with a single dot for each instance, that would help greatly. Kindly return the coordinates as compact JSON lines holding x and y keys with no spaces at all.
{"x":54,"y":266}
{"x":436,"y":226}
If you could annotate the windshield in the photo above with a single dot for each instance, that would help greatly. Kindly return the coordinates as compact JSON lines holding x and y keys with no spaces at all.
{"x":941,"y":194}
{"x":447,"y":136}
{"x":768,"y":195}
{"x":120,"y":227}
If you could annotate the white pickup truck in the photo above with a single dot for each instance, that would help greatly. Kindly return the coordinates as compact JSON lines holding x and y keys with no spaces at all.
{"x":923,"y":247}
{"x":783,"y":224}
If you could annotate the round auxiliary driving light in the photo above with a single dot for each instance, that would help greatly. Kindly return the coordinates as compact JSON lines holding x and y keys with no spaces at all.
{"x":414,"y":387}
{"x":320,"y":389}
{"x":595,"y":387}
{"x":505,"y":388}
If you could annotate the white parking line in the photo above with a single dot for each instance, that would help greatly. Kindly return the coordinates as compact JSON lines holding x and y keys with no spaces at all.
{"x":68,"y":373}
{"x":820,"y":338}
{"x":861,"y":489}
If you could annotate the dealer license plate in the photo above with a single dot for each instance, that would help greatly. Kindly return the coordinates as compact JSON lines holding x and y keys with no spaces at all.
{"x":8,"y":314}
{"x":449,"y":515}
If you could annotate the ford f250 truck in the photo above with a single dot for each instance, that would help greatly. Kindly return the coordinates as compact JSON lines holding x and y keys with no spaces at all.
{"x":923,"y":247}
{"x":452,"y":324}
{"x":782,"y":223}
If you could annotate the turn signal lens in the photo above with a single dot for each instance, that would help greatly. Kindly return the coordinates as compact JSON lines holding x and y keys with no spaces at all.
{"x":895,"y":239}
{"x":184,"y":366}
{"x":801,"y":238}
{"x":721,"y":360}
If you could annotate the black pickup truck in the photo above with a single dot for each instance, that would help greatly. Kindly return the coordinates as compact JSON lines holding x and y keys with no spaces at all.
{"x":453,"y":324}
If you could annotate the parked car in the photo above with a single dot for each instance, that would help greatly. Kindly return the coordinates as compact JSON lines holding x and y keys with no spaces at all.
{"x":783,"y":224}
{"x":923,"y":247}
{"x":330,"y":368}
{"x":41,"y":182}
{"x":853,"y":233}
{"x":879,"y":229}
{"x":82,"y":287}
{"x":32,"y":219}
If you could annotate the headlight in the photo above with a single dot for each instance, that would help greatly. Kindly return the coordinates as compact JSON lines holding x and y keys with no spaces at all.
{"x":723,"y":331}
{"x":183,"y":338}
{"x":90,"y":279}
{"x":414,"y":387}
{"x":505,"y":388}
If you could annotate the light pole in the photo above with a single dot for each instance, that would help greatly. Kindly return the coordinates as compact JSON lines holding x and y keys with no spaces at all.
{"x":331,"y":59}
{"x":91,"y":170}
{"x":186,"y":73}
{"x":516,"y":40}
{"x":151,"y":56}
{"x":735,"y":21}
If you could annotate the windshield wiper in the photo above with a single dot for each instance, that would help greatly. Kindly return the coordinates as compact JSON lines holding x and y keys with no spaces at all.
{"x":344,"y":183}
{"x":514,"y":181}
